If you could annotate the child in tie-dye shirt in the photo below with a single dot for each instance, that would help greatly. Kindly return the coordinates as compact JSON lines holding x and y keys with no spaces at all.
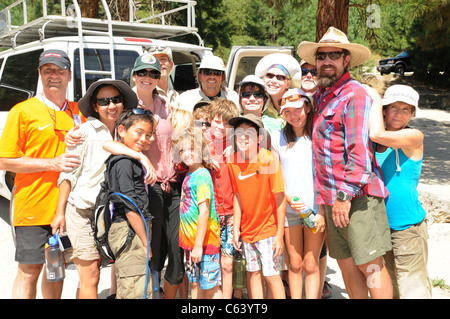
{"x":199,"y":221}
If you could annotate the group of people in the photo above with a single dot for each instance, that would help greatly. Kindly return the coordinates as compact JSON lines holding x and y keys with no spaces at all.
{"x":216,"y":172}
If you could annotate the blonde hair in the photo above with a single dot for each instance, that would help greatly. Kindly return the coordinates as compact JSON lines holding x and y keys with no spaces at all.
{"x":197,"y":141}
{"x":181,"y":119}
{"x":201,"y":113}
{"x":224,"y":108}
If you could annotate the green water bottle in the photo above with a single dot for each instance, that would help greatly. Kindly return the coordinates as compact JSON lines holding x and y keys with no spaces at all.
{"x":239,"y":271}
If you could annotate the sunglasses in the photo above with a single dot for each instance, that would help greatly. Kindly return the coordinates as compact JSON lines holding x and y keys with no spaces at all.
{"x":106,"y":100}
{"x":291,"y":98}
{"x":153,"y":74}
{"x":211,"y":71}
{"x":332,"y":55}
{"x":256,"y":94}
{"x":306,"y":71}
{"x":198,"y":123}
{"x":279,"y":77}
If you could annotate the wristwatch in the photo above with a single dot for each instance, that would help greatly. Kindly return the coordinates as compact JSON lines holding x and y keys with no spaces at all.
{"x":343,"y":196}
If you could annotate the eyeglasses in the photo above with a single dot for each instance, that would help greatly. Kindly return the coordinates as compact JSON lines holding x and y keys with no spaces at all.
{"x":279,"y":77}
{"x":106,"y":100}
{"x":256,"y":94}
{"x":152,"y":73}
{"x":208,"y":72}
{"x":291,"y":98}
{"x":306,"y":71}
{"x":332,"y":55}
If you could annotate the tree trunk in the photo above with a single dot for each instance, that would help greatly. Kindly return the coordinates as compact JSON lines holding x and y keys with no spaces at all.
{"x":89,"y":8}
{"x":331,"y":13}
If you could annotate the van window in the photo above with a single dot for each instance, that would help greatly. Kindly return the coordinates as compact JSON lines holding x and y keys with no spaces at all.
{"x":19,"y":79}
{"x":247,"y":66}
{"x":98,"y":59}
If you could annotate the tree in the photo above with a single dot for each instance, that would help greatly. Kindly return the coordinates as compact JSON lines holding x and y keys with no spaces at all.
{"x":331,"y":13}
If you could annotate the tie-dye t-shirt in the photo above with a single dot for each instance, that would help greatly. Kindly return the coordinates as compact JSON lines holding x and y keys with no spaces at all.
{"x":197,"y":188}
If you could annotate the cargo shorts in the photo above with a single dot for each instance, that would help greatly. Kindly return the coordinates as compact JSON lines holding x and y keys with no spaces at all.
{"x":131,"y":264}
{"x":366,"y":237}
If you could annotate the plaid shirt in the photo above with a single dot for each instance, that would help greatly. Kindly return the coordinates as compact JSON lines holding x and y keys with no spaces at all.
{"x":343,"y":154}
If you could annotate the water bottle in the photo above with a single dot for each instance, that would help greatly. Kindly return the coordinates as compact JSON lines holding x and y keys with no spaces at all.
{"x":54,"y":260}
{"x":239,"y":274}
{"x":155,"y":283}
{"x":308,"y":216}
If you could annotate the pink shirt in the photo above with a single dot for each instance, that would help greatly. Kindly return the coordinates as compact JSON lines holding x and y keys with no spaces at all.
{"x":160,"y":152}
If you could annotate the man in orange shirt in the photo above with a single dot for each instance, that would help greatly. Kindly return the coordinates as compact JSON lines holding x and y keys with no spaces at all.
{"x":32,"y":145}
{"x":259,"y":206}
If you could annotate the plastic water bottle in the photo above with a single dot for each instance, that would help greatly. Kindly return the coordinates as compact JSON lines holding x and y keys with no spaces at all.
{"x":54,"y":260}
{"x":155,"y":283}
{"x":239,"y":271}
{"x":308,"y":216}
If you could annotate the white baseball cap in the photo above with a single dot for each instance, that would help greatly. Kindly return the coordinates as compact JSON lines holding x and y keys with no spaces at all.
{"x":295,"y":98}
{"x":212,"y":62}
{"x":402,"y":93}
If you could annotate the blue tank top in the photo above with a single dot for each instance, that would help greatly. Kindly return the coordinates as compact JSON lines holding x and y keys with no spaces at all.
{"x":402,"y":205}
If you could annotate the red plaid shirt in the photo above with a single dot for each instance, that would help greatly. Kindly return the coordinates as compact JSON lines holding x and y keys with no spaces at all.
{"x":343,"y":154}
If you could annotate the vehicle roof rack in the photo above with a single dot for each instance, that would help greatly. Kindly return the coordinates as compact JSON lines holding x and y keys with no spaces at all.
{"x":67,"y":24}
{"x":49,"y":26}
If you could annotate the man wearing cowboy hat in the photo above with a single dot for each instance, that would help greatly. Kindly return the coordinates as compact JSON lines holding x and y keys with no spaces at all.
{"x":348,"y":178}
{"x":211,"y":75}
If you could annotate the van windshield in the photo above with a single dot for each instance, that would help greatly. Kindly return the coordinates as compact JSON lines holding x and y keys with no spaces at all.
{"x":98,"y":60}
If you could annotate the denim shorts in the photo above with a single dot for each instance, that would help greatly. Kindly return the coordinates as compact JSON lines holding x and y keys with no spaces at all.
{"x":207,"y":272}
{"x":292,"y":219}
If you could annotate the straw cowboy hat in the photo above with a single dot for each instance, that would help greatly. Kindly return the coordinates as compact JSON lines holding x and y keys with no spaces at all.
{"x":333,"y":38}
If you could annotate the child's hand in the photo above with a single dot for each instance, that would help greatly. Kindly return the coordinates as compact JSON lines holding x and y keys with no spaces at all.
{"x":278,"y":246}
{"x":236,"y":242}
{"x":297,"y":206}
{"x":196,"y":255}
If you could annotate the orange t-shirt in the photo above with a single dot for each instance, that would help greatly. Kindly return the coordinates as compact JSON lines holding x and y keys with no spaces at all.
{"x":30,"y":130}
{"x":257,"y":181}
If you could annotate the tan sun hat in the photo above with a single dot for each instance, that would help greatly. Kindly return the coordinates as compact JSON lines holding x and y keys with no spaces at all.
{"x":333,"y":38}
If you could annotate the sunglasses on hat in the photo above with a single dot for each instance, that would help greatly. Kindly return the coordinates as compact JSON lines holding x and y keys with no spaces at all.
{"x":291,"y":98}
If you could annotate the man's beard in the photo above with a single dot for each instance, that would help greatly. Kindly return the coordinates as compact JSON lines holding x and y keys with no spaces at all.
{"x":309,"y":85}
{"x":327,"y":80}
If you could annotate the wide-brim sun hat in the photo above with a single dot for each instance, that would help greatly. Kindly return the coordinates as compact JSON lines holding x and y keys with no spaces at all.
{"x":130,"y":99}
{"x":297,"y":103}
{"x":402,"y":93}
{"x":286,"y":60}
{"x":333,"y":38}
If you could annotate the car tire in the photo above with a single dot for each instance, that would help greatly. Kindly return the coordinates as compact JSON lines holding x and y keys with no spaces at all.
{"x":400,"y":69}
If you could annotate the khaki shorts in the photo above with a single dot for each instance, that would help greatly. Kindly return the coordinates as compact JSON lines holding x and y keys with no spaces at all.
{"x":79,"y":229}
{"x":131,"y":264}
{"x":366,"y":237}
{"x":407,"y":262}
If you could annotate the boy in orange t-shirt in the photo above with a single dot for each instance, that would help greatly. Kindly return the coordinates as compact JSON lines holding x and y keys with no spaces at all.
{"x":259,"y":206}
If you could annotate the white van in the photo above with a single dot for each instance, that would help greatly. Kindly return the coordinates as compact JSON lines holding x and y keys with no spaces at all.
{"x":100,"y":48}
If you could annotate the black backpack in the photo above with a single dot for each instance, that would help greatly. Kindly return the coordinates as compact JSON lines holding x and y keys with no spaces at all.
{"x":103,"y":218}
